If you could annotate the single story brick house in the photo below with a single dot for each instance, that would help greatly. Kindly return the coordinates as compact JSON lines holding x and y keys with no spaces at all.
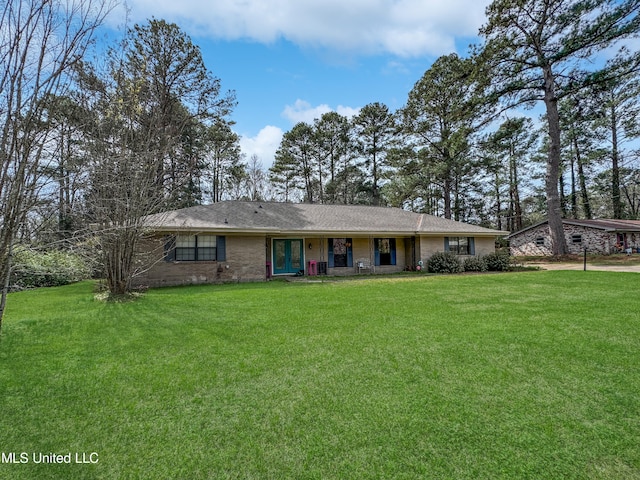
{"x":236,"y":241}
{"x":602,"y":236}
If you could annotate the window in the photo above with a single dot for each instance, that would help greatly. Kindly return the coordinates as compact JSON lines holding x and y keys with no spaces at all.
{"x":385,"y":251}
{"x":540,"y":241}
{"x":459,"y":245}
{"x":576,"y":238}
{"x":196,"y":248}
{"x":340,"y":253}
{"x":206,"y":247}
{"x":185,"y":247}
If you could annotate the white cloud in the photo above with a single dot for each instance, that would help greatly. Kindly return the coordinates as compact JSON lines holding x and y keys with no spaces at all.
{"x":406,"y":28}
{"x":303,"y":111}
{"x":347,"y":111}
{"x":264,"y":144}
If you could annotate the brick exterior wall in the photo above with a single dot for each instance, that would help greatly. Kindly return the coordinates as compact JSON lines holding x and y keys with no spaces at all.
{"x":245,"y":262}
{"x":596,"y":241}
{"x":430,"y":245}
{"x":485,"y":246}
{"x":246,"y":258}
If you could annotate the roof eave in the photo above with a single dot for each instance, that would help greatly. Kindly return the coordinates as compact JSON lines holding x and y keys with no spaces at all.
{"x":323,"y":233}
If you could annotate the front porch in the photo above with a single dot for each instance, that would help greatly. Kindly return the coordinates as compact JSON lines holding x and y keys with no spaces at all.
{"x":340,"y":255}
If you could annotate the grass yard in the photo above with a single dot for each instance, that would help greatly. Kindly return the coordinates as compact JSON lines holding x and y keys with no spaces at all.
{"x":520,"y":375}
{"x":617,"y":259}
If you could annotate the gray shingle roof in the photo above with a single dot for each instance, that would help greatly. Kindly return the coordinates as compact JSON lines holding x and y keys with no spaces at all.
{"x":611,"y":225}
{"x":606,"y":224}
{"x":289,"y":218}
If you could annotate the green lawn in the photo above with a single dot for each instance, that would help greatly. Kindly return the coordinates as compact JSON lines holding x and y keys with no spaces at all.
{"x":616,"y":259}
{"x":521,"y":375}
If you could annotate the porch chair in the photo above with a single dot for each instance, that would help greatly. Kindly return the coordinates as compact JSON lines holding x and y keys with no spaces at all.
{"x":364,"y":264}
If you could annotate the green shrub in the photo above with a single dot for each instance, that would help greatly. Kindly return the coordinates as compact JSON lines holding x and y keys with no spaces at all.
{"x":444,"y":262}
{"x":474,"y":264}
{"x":497,"y":262}
{"x":51,"y":268}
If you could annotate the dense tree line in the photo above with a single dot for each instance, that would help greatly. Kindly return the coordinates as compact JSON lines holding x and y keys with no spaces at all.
{"x":455,"y":149}
{"x":88,"y":146}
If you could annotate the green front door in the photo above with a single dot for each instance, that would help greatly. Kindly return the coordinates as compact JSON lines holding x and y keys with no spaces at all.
{"x":287,"y":256}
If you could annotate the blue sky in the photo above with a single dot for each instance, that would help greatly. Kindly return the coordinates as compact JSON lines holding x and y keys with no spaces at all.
{"x":292,"y":60}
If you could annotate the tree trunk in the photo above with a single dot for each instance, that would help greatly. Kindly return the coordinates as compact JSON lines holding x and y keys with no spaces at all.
{"x":615,"y":168}
{"x":374,"y":170}
{"x":574,"y":195}
{"x":498,"y":203}
{"x":447,"y":197}
{"x":515,"y":192}
{"x":320,"y":179}
{"x":586,"y":204}
{"x":558,"y":242}
{"x":563,"y":198}
{"x":457,"y":204}
{"x":6,"y":276}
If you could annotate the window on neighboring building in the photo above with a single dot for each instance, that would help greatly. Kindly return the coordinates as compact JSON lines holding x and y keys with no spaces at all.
{"x":385,"y":251}
{"x":459,"y":245}
{"x":196,"y":248}
{"x":540,"y":241}
{"x":576,"y":238}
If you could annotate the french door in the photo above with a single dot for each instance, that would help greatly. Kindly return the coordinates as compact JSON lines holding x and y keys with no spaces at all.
{"x":287,"y":256}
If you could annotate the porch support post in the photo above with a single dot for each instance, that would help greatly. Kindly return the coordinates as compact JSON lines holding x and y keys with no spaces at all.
{"x":372,"y":257}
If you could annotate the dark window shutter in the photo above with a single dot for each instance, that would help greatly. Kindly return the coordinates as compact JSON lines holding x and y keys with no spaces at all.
{"x":350,"y":252}
{"x":221,"y":248}
{"x":392,"y":246}
{"x":472,"y":246}
{"x":376,"y":251}
{"x":331,"y":263}
{"x":446,"y":244}
{"x":170,"y":248}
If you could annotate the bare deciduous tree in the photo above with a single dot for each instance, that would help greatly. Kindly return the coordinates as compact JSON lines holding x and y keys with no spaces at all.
{"x":149,"y":109}
{"x":40,"y":41}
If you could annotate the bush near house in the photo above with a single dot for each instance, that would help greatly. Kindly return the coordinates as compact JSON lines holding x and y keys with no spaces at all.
{"x":33,"y":268}
{"x":444,"y":262}
{"x":449,"y":262}
{"x":475,"y":264}
{"x":497,"y":262}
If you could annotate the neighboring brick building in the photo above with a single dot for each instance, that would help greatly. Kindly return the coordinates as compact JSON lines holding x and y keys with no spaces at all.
{"x":253,"y":241}
{"x":602,"y":236}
